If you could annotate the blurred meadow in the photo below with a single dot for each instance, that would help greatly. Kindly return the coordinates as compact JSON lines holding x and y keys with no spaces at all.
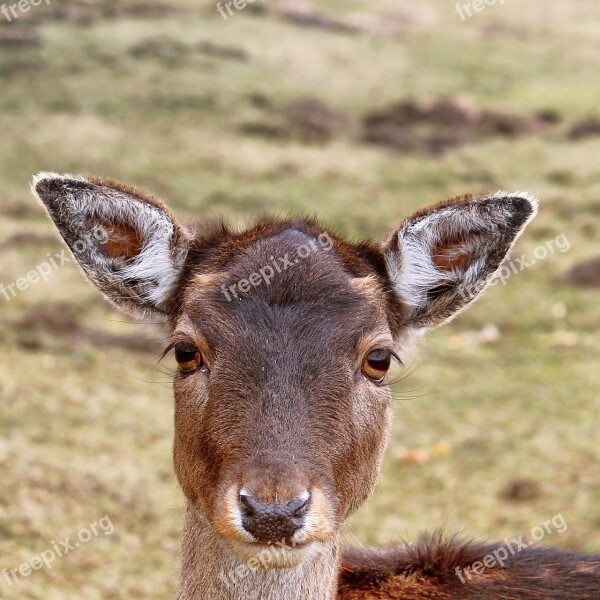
{"x":358,"y":112}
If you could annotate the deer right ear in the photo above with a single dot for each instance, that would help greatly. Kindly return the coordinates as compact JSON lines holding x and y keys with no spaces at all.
{"x":441,"y":259}
{"x":127,"y":243}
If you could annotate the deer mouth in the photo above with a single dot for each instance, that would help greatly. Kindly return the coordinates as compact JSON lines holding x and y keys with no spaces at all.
{"x":276,"y":535}
{"x":264,"y":556}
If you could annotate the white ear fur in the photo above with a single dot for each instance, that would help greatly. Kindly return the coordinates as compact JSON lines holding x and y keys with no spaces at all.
{"x":485,"y":228}
{"x":141,"y":285}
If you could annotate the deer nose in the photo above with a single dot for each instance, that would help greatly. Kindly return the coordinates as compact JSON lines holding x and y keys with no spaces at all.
{"x":274,"y":522}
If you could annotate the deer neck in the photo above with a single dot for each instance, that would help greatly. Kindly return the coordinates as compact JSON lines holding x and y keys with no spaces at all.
{"x":209,"y":571}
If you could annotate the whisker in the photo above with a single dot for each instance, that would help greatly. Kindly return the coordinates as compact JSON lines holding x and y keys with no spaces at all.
{"x":400,"y":399}
{"x":161,"y":369}
{"x":128,"y":322}
{"x":160,"y":383}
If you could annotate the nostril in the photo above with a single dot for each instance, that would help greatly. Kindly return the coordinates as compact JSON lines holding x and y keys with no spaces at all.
{"x":273,"y":522}
{"x":299,"y":506}
{"x":250,"y":505}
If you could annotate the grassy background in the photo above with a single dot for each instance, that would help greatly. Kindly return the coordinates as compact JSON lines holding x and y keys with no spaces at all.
{"x":501,"y":426}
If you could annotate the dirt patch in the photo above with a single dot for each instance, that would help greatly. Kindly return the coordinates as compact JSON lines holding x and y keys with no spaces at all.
{"x":305,"y":15}
{"x":222,"y":51}
{"x":408,"y":126}
{"x":58,"y":317}
{"x":383,"y":23}
{"x":20,"y":38}
{"x":77,"y":15}
{"x":173,"y":101}
{"x":63,"y":321}
{"x":446,"y":122}
{"x":585,"y":128}
{"x":585,"y":274}
{"x":172,"y":51}
{"x":21,"y":68}
{"x":306,"y":119}
{"x":508,"y":124}
{"x":91,"y":11}
{"x":114,"y":9}
{"x":161,"y":48}
{"x":259,"y":101}
{"x":275,"y":131}
{"x":257,"y":9}
{"x":311,"y":120}
{"x":522,"y":490}
{"x":421,"y":126}
{"x":144,"y":10}
{"x":550,"y":116}
{"x":29,"y":239}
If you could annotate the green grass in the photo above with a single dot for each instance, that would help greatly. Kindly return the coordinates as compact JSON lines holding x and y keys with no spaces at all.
{"x":86,"y":425}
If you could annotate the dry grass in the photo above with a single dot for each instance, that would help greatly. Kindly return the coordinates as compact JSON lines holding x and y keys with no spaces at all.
{"x":85,"y":417}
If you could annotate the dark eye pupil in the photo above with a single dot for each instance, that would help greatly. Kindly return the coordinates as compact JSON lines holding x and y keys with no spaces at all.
{"x":185,"y":355}
{"x":380,"y":360}
{"x":376,"y":364}
{"x":188,"y":358}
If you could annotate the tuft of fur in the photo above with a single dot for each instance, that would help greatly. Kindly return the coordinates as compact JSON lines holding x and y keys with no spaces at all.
{"x":430,"y":568}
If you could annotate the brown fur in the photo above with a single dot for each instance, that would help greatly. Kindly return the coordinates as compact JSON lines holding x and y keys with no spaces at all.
{"x":426,"y":570}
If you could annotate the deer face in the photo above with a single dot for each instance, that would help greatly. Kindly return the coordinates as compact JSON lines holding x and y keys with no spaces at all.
{"x":281,"y":405}
{"x":284,"y":335}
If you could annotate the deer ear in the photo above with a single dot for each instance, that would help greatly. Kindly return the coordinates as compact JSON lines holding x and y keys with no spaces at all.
{"x":442,"y":258}
{"x":127,"y":243}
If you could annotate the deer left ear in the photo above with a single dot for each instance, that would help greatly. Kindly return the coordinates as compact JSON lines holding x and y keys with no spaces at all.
{"x":441,"y":259}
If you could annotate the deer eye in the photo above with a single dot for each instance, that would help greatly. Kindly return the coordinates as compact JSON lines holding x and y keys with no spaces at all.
{"x":376,"y":364}
{"x":188,"y":358}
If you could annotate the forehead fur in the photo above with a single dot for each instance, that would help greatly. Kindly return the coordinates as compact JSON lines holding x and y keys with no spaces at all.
{"x":282,"y":264}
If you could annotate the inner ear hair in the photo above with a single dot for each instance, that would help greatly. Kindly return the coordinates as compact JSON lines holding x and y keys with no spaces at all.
{"x":454,"y":254}
{"x":123,"y":241}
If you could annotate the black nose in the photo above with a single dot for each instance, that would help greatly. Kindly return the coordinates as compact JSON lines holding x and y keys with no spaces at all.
{"x":272,"y":523}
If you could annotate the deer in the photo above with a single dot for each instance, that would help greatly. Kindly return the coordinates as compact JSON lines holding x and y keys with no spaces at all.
{"x":284,"y":335}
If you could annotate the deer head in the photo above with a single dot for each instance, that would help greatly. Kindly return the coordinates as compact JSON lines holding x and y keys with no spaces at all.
{"x":284,"y":335}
